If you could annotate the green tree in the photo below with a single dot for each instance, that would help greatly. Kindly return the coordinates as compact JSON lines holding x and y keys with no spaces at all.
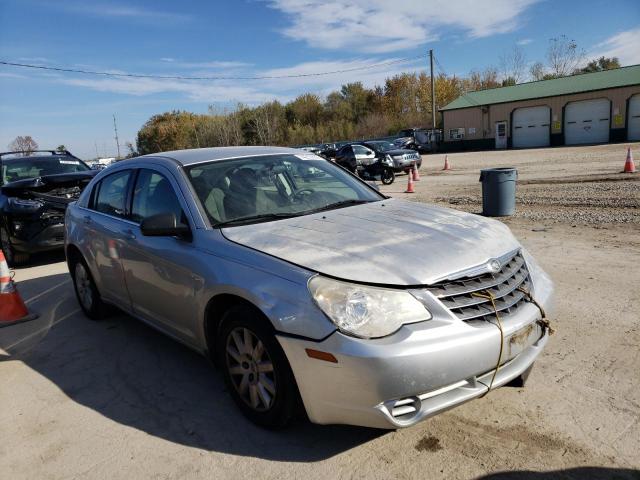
{"x":600,"y":64}
{"x":174,"y":130}
{"x":61,"y":148}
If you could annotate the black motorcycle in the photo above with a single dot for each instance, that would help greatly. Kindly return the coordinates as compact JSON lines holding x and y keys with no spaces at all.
{"x":380,"y":169}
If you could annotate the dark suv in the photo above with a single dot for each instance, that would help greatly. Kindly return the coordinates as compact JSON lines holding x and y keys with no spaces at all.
{"x":35,"y":189}
{"x":418,"y":139}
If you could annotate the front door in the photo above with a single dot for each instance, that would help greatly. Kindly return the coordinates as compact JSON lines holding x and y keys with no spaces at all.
{"x":501,"y":134}
{"x":104,"y":222}
{"x":159,"y":271}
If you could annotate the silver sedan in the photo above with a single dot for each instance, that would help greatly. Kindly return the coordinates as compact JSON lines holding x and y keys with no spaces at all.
{"x":309,"y":289}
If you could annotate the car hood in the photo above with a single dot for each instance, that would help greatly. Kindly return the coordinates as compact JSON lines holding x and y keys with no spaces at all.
{"x":391,"y":242}
{"x":49,"y":182}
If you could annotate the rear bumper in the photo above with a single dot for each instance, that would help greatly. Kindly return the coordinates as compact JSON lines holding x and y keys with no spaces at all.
{"x":422,"y":370}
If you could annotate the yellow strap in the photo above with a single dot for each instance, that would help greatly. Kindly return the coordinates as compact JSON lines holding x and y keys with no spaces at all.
{"x":544,"y":321}
{"x":488,"y":295}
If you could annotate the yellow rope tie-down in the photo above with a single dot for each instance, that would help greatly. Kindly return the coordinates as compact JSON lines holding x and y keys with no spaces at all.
{"x":489,"y":296}
{"x":543,"y":322}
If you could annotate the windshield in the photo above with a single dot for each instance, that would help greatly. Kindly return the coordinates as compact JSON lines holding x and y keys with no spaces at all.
{"x":382,"y":146}
{"x":257,"y":189}
{"x":25,"y":168}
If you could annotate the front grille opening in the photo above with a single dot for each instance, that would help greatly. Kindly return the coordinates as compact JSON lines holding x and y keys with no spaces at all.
{"x":457,"y":295}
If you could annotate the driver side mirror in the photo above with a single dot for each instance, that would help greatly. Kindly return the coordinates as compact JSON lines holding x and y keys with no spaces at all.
{"x":164,"y":225}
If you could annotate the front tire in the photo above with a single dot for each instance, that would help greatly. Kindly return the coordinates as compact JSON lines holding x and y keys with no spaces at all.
{"x":388,"y":176}
{"x":13,"y":258}
{"x":86,"y":290}
{"x":255,"y":368}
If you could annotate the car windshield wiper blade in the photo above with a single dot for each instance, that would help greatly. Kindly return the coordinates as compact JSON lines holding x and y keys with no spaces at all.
{"x":255,"y":218}
{"x":343,"y":203}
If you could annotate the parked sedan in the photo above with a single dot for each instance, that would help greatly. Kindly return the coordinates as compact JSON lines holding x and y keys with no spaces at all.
{"x":354,"y":154}
{"x":308,"y":292}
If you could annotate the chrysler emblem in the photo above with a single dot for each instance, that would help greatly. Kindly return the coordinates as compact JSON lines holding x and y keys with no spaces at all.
{"x":494,"y":265}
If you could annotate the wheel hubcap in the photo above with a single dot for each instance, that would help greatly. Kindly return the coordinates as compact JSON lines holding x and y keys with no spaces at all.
{"x":251,"y":369}
{"x":83,"y":285}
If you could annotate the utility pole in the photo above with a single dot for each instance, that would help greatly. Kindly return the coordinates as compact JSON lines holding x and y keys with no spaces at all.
{"x":433,"y":92}
{"x":115,"y":129}
{"x":95,"y":144}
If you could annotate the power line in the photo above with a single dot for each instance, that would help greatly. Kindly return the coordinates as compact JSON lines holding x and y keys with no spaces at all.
{"x":181,"y":77}
{"x":464,"y":94}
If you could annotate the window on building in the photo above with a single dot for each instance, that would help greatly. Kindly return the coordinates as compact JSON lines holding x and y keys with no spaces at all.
{"x":456,"y":133}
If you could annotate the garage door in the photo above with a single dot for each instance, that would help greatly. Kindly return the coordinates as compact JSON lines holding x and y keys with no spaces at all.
{"x":587,"y":122}
{"x":633,"y":132}
{"x":531,"y":127}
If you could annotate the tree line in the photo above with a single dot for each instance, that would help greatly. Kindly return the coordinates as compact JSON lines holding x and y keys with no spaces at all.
{"x":354,"y":111}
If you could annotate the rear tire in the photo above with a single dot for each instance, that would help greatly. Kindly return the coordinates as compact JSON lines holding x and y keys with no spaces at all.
{"x":86,"y":290}
{"x":255,"y":369}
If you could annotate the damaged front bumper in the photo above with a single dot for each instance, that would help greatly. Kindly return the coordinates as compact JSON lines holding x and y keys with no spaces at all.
{"x":421,"y":370}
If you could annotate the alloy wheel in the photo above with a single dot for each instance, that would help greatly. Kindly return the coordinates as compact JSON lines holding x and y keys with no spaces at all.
{"x":251,"y":369}
{"x":83,"y":286}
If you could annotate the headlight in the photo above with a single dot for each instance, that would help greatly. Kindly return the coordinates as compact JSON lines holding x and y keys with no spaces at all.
{"x":388,"y":160}
{"x":363,"y":311}
{"x":20,"y":205}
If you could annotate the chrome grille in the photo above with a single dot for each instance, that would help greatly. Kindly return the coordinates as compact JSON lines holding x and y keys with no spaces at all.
{"x":458,"y":295}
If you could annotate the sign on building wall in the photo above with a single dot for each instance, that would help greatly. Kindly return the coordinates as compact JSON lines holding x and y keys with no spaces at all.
{"x":618,"y":120}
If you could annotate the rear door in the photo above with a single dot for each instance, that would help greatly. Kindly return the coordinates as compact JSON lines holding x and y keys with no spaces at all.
{"x":158,"y":270}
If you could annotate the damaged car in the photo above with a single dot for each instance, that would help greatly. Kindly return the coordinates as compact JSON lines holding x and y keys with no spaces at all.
{"x":312,"y":294}
{"x":35,"y":190}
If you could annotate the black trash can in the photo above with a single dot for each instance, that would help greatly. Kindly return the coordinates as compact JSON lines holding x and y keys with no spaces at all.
{"x":498,"y":191}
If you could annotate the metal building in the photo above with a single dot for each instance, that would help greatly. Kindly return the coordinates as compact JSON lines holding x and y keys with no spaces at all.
{"x":587,"y":108}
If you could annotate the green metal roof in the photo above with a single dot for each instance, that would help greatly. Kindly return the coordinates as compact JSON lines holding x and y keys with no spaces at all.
{"x":584,"y":82}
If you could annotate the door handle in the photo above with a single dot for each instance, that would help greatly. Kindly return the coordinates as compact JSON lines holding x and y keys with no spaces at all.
{"x":86,"y":219}
{"x":128,"y":234}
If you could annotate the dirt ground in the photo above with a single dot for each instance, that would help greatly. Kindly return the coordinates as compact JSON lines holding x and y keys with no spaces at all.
{"x":115,"y":399}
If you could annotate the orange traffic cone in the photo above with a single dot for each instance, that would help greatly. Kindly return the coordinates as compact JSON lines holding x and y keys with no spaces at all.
{"x":12,"y":308}
{"x":409,"y":183}
{"x":629,"y":165}
{"x":416,"y":175}
{"x":446,"y":163}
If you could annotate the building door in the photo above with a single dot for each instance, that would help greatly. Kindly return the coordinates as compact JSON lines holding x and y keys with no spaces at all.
{"x":501,"y":134}
{"x":531,"y":127}
{"x":633,"y":122}
{"x":587,"y":121}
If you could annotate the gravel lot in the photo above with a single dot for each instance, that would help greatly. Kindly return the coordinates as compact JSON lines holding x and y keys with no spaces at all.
{"x":115,"y":399}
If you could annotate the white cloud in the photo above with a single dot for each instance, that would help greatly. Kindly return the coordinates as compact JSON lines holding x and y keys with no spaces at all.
{"x":624,"y":45}
{"x":383,"y":26}
{"x":524,"y":41}
{"x":120,"y":11}
{"x":253,"y":91}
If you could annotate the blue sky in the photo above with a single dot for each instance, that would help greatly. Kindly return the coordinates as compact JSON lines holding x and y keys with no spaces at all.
{"x":257,"y":38}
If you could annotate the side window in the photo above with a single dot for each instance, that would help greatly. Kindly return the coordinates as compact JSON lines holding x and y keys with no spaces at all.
{"x":112,"y":194}
{"x":359,"y":150}
{"x":153,"y":194}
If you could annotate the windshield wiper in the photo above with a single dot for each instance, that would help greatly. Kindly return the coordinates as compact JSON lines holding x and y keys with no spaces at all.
{"x":256,"y":218}
{"x":343,"y":203}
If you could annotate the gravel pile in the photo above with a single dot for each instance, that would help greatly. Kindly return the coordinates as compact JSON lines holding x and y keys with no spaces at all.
{"x":591,"y":203}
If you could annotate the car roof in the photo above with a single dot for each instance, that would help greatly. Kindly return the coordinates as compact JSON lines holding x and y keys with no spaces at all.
{"x":200,"y":155}
{"x":36,"y":157}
